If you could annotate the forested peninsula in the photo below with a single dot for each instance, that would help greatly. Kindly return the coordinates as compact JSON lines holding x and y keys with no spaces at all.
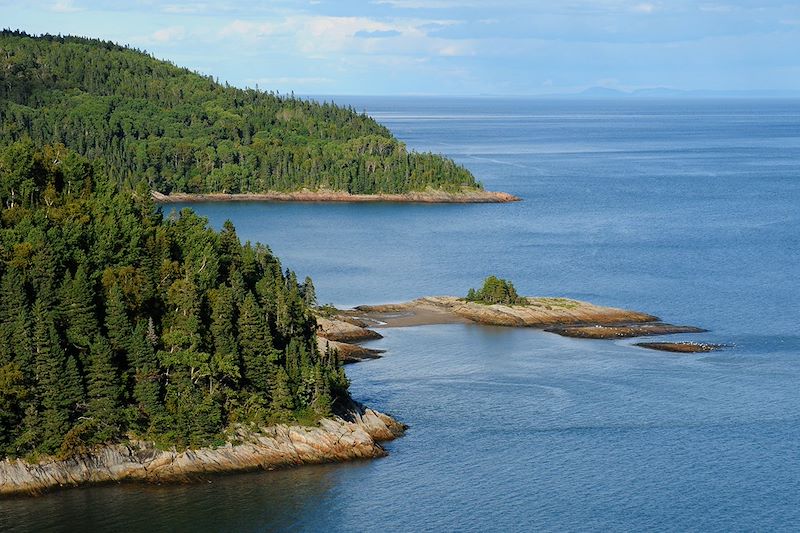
{"x":148,"y":121}
{"x":127,"y":338}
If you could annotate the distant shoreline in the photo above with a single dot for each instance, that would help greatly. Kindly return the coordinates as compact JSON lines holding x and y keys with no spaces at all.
{"x":324,"y":196}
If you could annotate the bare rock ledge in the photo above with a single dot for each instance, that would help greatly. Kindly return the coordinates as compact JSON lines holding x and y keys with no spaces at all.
{"x":354,"y":436}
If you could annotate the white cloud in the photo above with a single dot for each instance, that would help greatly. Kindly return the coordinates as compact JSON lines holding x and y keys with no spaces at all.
{"x":429,"y":4}
{"x":319,"y":36}
{"x":248,"y":30}
{"x":171,"y":33}
{"x":715,"y":8}
{"x":185,"y":9}
{"x":65,"y":6}
{"x":644,"y":7}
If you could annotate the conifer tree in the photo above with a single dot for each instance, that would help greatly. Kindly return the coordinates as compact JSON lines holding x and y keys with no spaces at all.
{"x":78,"y":310}
{"x":255,"y":345}
{"x":147,"y":384}
{"x":73,"y":387}
{"x":103,"y":388}
{"x":282,"y":403}
{"x":224,"y":360}
{"x":309,"y":293}
{"x":118,"y":326}
{"x":50,"y":376}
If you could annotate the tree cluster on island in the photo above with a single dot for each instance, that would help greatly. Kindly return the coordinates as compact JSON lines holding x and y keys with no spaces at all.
{"x":116,"y":322}
{"x":146,"y":120}
{"x":496,"y":291}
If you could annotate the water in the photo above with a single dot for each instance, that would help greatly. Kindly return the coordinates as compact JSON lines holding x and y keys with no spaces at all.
{"x":686,"y":209}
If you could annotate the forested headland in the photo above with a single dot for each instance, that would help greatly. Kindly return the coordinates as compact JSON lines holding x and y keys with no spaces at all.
{"x":116,"y":322}
{"x":148,"y":121}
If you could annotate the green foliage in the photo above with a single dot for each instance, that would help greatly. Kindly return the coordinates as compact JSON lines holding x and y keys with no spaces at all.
{"x":150,"y":122}
{"x":115,"y":321}
{"x":496,"y":291}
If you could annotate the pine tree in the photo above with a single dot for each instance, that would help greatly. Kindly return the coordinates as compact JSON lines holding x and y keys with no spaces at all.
{"x":50,"y":376}
{"x":282,"y":400}
{"x":224,"y":361}
{"x":118,"y":325}
{"x":309,"y":293}
{"x":147,"y":379}
{"x":78,"y":310}
{"x":103,"y":388}
{"x":13,"y":298}
{"x":74,"y":395}
{"x":255,"y":345}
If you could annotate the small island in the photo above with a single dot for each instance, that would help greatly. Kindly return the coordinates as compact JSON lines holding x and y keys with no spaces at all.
{"x":497,"y":303}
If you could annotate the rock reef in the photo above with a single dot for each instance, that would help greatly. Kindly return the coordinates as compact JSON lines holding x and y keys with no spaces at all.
{"x":563,"y":316}
{"x":354,"y":435}
{"x":599,"y":331}
{"x":681,"y":347}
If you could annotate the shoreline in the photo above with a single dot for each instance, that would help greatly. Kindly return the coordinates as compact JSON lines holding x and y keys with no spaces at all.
{"x":352,"y":436}
{"x":326,"y":196}
{"x":561,"y":316}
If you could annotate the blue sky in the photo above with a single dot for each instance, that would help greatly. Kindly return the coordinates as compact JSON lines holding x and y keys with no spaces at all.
{"x":449,"y":47}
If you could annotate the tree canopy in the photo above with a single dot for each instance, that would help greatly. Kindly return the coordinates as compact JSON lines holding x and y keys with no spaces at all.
{"x":149,"y":121}
{"x":116,"y":321}
{"x":496,"y":291}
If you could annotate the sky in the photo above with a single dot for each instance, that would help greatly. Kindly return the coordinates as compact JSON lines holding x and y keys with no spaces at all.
{"x":449,"y":47}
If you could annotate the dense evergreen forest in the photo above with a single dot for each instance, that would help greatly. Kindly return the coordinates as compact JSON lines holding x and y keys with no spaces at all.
{"x":116,"y":322}
{"x":149,"y":121}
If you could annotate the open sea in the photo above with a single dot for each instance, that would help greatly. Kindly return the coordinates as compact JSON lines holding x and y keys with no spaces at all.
{"x":686,"y":209}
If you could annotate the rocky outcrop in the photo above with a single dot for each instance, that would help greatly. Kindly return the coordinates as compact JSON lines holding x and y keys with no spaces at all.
{"x":344,"y":329}
{"x":432,"y":196}
{"x":539,"y":312}
{"x":348,"y":353}
{"x":341,"y":332}
{"x":623,"y":331}
{"x":681,"y":347}
{"x":354,"y":436}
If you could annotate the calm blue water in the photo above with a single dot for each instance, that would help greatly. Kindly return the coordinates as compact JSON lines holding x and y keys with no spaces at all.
{"x":686,"y":209}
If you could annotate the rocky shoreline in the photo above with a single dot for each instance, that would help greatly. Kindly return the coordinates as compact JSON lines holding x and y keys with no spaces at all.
{"x":472,"y":196}
{"x":354,"y":435}
{"x":562,"y":316}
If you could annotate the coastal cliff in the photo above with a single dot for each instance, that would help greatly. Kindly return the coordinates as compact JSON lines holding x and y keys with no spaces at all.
{"x":354,"y":435}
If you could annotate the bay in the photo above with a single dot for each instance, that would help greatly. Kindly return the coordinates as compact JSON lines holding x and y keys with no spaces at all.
{"x":687,"y":209}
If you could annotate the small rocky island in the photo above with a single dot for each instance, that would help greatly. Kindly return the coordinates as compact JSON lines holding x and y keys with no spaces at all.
{"x":497,"y":304}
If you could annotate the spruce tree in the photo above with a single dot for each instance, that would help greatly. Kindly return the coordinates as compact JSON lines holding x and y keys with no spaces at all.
{"x":78,"y":310}
{"x":103,"y":390}
{"x":282,"y":403}
{"x":147,"y":379}
{"x":309,"y":293}
{"x":255,"y":346}
{"x":50,"y":375}
{"x":225,"y":365}
{"x":117,"y":323}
